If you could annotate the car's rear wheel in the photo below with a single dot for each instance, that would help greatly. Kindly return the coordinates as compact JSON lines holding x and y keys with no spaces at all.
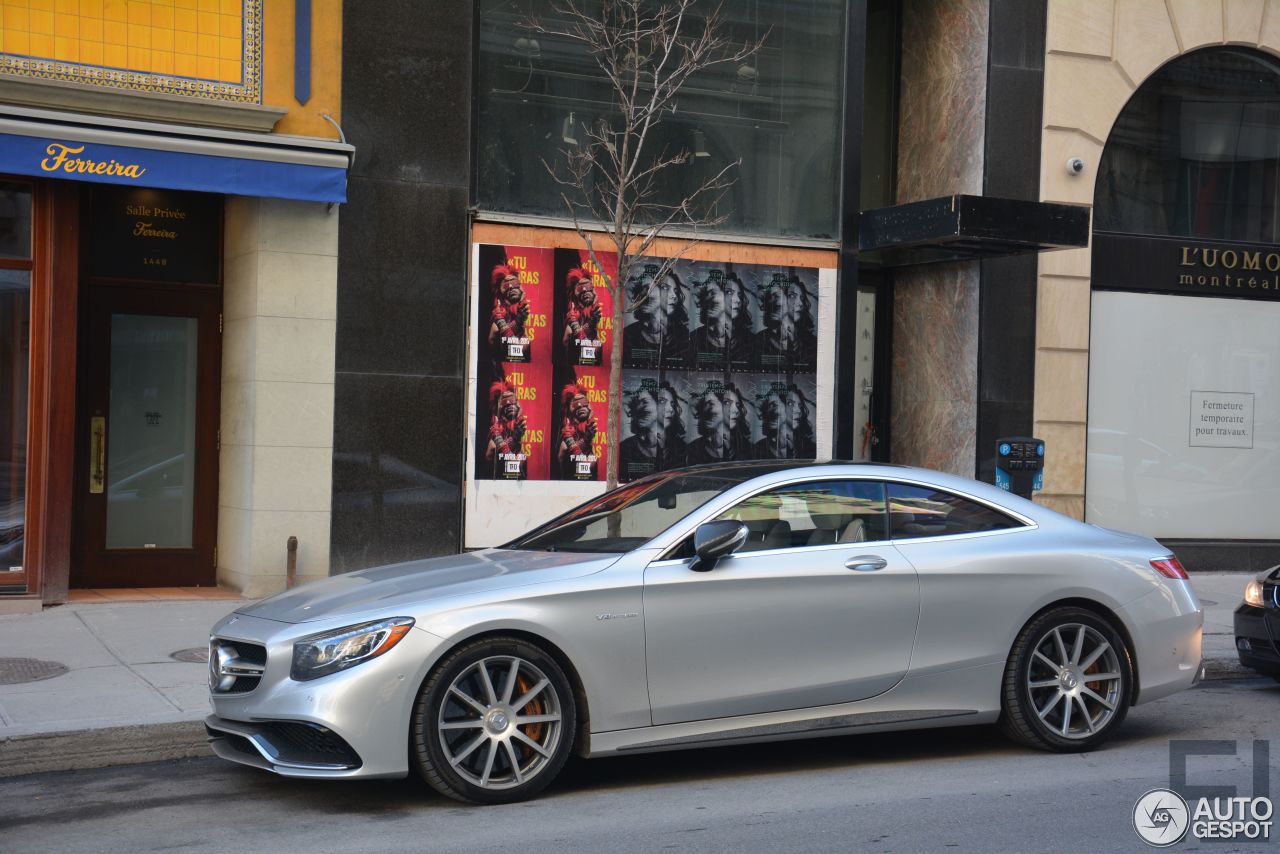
{"x":494,"y":722}
{"x":1067,"y":683}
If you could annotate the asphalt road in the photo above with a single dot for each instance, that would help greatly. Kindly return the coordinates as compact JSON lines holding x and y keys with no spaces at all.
{"x":962,"y":789}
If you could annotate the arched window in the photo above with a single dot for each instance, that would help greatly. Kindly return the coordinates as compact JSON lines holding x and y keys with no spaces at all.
{"x":1196,"y":151}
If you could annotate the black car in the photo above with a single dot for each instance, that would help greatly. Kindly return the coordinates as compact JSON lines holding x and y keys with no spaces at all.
{"x":1258,"y":624}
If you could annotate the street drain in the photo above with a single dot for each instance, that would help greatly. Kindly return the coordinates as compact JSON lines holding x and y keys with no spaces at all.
{"x":15,"y":671}
{"x":197,"y":655}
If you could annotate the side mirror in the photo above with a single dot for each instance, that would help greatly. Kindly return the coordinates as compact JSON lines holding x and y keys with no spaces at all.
{"x":714,"y":540}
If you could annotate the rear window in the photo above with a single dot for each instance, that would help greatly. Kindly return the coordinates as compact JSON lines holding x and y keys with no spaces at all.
{"x":918,"y":511}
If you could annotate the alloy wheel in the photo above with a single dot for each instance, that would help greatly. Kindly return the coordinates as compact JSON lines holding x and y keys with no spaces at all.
{"x":1075,"y":681}
{"x":500,"y":722}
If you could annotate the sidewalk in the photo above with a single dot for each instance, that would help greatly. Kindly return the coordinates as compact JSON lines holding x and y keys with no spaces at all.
{"x":125,"y":698}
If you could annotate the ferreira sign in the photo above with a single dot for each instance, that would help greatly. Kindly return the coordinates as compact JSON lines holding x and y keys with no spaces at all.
{"x":1124,"y":262}
{"x":60,"y":159}
{"x":241,"y":170}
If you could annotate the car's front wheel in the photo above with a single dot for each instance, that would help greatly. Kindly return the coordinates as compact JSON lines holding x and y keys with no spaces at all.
{"x":1067,"y":683}
{"x":494,"y":722}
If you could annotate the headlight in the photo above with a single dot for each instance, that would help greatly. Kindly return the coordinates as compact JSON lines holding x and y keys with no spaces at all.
{"x":1253,"y":594}
{"x":320,"y":655}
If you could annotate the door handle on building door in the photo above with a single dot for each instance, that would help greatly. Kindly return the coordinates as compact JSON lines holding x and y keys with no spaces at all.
{"x":866,"y":563}
{"x":97,"y":454}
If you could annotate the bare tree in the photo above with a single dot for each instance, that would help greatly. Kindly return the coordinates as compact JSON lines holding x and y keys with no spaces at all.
{"x":612,"y":183}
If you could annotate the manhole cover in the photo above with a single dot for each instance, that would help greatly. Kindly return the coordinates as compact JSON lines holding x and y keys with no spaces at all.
{"x":15,"y":671}
{"x":1207,"y":602}
{"x":197,"y":654}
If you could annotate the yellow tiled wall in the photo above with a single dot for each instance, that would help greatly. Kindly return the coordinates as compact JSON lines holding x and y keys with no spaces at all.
{"x":231,"y":50}
{"x":187,"y":38}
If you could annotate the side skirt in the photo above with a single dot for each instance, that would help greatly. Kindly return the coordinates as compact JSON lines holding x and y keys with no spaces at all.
{"x":817,"y":727}
{"x":962,"y":697}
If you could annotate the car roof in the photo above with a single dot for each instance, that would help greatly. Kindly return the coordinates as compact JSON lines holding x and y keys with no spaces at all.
{"x":745,"y":470}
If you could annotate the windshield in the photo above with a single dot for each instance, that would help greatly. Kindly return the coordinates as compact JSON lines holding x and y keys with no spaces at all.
{"x":630,"y":516}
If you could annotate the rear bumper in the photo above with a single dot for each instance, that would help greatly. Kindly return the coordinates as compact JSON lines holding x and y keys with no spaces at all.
{"x":1167,"y":641}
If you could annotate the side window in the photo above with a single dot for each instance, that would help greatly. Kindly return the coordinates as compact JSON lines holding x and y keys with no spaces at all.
{"x":819,"y":513}
{"x":917,"y":511}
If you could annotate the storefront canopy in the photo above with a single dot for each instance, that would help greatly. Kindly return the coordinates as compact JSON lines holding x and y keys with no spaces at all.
{"x":969,"y":228}
{"x":74,"y":147}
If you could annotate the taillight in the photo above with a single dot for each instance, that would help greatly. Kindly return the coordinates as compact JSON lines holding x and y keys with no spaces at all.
{"x":1169,"y":567}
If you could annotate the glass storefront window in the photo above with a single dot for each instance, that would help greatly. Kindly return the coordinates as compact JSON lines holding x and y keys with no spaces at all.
{"x":15,"y":220}
{"x":779,"y":113}
{"x":15,"y":352}
{"x":1196,"y":152}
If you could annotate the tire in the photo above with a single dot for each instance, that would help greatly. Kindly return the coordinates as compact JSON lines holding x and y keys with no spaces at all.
{"x":1079,"y":644}
{"x":470,"y":740}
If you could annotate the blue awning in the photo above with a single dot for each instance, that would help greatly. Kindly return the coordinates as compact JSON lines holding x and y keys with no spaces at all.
{"x":144,"y":154}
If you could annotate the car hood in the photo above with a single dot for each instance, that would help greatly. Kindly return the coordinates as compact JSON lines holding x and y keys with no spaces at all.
{"x":403,"y":588}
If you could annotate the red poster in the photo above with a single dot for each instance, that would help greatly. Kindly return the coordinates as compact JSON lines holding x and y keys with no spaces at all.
{"x":515,"y":410}
{"x":583,"y":413}
{"x":584,"y":309}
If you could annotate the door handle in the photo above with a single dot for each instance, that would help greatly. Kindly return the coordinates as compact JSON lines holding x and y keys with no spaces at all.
{"x":866,"y":563}
{"x":97,"y":453}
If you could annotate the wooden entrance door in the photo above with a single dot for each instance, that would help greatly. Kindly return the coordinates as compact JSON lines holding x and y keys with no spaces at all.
{"x":147,"y":436}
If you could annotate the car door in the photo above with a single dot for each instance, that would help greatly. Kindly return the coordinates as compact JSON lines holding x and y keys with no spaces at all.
{"x":979,"y":570}
{"x":817,"y":608}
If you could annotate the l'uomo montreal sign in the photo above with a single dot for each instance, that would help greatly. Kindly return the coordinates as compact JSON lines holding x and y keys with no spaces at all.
{"x":1177,"y":265}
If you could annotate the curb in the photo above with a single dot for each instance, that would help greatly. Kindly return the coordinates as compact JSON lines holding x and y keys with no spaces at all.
{"x":1225,"y":668}
{"x":81,"y":750}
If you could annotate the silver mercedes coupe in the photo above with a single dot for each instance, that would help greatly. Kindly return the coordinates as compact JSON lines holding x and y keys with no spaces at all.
{"x":713,"y":605}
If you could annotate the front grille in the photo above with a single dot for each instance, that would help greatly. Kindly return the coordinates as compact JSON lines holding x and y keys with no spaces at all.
{"x":308,"y":744}
{"x":235,"y":667}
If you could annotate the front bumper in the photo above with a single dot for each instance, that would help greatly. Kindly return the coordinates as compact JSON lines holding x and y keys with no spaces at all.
{"x":354,"y":723}
{"x":289,"y":748}
{"x":1255,"y":630}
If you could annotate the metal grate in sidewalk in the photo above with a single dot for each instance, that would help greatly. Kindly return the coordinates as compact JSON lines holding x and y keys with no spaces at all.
{"x":16,"y":671}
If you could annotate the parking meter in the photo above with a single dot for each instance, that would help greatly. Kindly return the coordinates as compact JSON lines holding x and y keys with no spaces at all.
{"x":1020,"y":465}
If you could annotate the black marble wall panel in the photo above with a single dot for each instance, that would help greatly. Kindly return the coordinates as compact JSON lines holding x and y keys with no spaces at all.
{"x":1017,"y":33}
{"x":402,"y":271}
{"x":396,"y":468}
{"x":406,"y":89}
{"x":1007,"y":292}
{"x":1012,"y":142}
{"x":402,"y":252}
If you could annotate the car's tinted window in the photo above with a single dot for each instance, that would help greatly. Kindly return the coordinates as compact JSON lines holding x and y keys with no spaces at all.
{"x":817,"y":513}
{"x":918,"y":511}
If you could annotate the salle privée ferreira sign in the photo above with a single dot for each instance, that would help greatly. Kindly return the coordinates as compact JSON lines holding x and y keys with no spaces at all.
{"x":155,"y":235}
{"x":1177,"y":265}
